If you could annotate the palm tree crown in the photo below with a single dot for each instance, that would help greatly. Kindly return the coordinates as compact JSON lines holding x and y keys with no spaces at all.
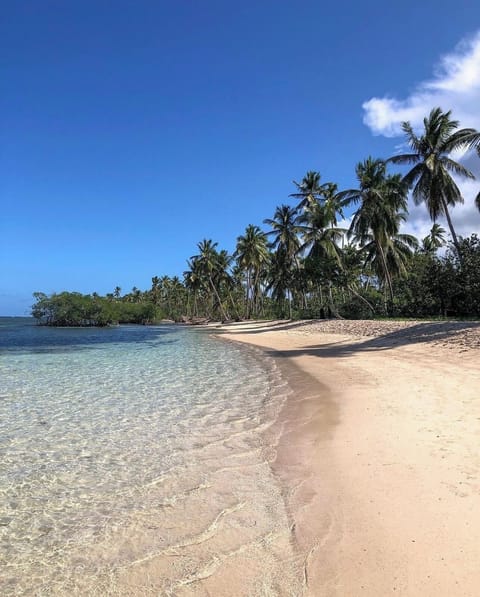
{"x":430,"y":178}
{"x":376,"y":223}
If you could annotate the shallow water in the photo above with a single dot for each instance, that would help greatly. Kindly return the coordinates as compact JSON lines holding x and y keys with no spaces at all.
{"x":136,"y":460}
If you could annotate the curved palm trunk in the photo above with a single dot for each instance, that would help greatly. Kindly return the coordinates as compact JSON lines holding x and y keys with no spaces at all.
{"x":224,"y":315}
{"x":452,"y":229}
{"x":362,"y":298}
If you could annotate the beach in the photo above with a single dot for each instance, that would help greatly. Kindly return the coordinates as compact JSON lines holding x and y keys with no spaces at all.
{"x":378,"y":453}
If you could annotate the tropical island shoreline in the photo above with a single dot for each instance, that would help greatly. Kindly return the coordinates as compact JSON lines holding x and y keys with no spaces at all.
{"x":379,"y":452}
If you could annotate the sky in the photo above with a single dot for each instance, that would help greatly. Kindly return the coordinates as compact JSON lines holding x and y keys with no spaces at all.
{"x":130,"y":131}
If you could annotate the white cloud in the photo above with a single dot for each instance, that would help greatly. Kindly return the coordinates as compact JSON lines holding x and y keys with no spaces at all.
{"x":466,"y":219}
{"x":454,"y":86}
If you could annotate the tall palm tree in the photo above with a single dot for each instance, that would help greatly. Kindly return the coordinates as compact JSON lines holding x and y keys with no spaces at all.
{"x":252,"y":255}
{"x":155,"y":290}
{"x":375,"y":225}
{"x":318,"y":233}
{"x":430,"y":178}
{"x":308,"y":190}
{"x":332,"y":203}
{"x":193,"y":283}
{"x":321,"y":240}
{"x":434,"y":240}
{"x":285,"y":230}
{"x":207,"y":262}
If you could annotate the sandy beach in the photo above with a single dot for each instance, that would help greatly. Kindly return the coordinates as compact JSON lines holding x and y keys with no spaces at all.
{"x":379,"y":453}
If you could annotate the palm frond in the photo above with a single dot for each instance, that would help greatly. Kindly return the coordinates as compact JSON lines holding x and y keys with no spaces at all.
{"x":405,"y":158}
{"x":456,"y":168}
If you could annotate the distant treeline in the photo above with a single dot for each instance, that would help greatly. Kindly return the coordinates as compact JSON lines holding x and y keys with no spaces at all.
{"x":75,"y":309}
{"x":305,"y":265}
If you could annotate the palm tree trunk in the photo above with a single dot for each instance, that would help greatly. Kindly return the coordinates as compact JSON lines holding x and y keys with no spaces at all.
{"x":247,"y":296}
{"x":452,"y":229}
{"x":385,"y":270}
{"x":224,"y":315}
{"x":358,"y":295}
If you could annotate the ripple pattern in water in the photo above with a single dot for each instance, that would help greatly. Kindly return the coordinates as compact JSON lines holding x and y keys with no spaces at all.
{"x":135,"y":461}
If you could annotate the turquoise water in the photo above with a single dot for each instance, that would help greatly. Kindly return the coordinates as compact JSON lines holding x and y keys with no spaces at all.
{"x":136,"y":460}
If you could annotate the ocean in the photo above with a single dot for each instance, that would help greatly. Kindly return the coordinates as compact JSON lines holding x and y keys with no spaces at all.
{"x":137,"y":460}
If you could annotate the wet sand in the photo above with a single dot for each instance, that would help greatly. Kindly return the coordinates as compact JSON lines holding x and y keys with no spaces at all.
{"x":379,"y":455}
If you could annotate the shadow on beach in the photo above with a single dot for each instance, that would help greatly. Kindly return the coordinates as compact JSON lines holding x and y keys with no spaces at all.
{"x":461,"y":335}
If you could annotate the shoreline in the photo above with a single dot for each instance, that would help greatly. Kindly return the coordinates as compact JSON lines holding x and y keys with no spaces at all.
{"x":378,"y":456}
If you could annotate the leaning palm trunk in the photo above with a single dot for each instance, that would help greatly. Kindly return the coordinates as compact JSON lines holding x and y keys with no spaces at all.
{"x":362,"y":298}
{"x":234,"y":305}
{"x":452,"y":229}
{"x":222,"y":311}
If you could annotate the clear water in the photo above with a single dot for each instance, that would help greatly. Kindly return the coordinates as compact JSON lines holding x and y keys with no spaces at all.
{"x":136,"y":460}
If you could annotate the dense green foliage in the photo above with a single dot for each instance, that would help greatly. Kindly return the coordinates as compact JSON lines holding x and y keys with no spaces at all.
{"x":75,"y":309}
{"x":304,"y":265}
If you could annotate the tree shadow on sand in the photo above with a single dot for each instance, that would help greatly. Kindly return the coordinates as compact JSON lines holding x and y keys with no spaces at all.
{"x":462,"y":335}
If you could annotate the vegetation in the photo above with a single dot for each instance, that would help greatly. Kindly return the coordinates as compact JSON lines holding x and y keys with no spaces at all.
{"x":304,"y":265}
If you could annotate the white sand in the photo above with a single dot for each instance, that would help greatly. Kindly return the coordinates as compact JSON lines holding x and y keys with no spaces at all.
{"x":380,"y":453}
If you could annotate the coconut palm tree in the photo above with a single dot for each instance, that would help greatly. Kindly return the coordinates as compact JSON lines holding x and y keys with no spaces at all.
{"x":320,"y":241}
{"x":434,"y":240}
{"x":430,"y":178}
{"x":155,"y":290}
{"x":207,"y":263}
{"x":193,"y":283}
{"x":309,"y":190}
{"x":285,"y":230}
{"x":332,"y":203}
{"x":252,"y":255}
{"x":375,"y":225}
{"x":318,"y":234}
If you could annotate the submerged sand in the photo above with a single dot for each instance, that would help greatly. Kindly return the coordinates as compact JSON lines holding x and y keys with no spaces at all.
{"x":379,"y":453}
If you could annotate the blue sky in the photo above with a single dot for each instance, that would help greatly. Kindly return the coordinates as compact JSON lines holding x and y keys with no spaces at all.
{"x":132,"y":130}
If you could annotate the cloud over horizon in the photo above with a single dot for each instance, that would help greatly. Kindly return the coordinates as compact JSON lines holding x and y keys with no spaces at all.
{"x":455,"y":86}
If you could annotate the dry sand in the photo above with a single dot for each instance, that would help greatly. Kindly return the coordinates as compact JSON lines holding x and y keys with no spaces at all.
{"x":380,"y":453}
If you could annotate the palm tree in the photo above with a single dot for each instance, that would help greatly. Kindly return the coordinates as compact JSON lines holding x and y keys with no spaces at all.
{"x":193,"y":283}
{"x":332,"y":203}
{"x":318,"y":233}
{"x":434,"y":240}
{"x":155,"y":290}
{"x":252,"y":255}
{"x":308,"y":190}
{"x":222,"y":278}
{"x":320,"y":238}
{"x":430,"y":178}
{"x":397,"y":252}
{"x":280,"y":280}
{"x":286,"y":242}
{"x":375,"y":225}
{"x":285,"y":231}
{"x":208,"y":261}
{"x":176,"y":291}
{"x":117,"y":291}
